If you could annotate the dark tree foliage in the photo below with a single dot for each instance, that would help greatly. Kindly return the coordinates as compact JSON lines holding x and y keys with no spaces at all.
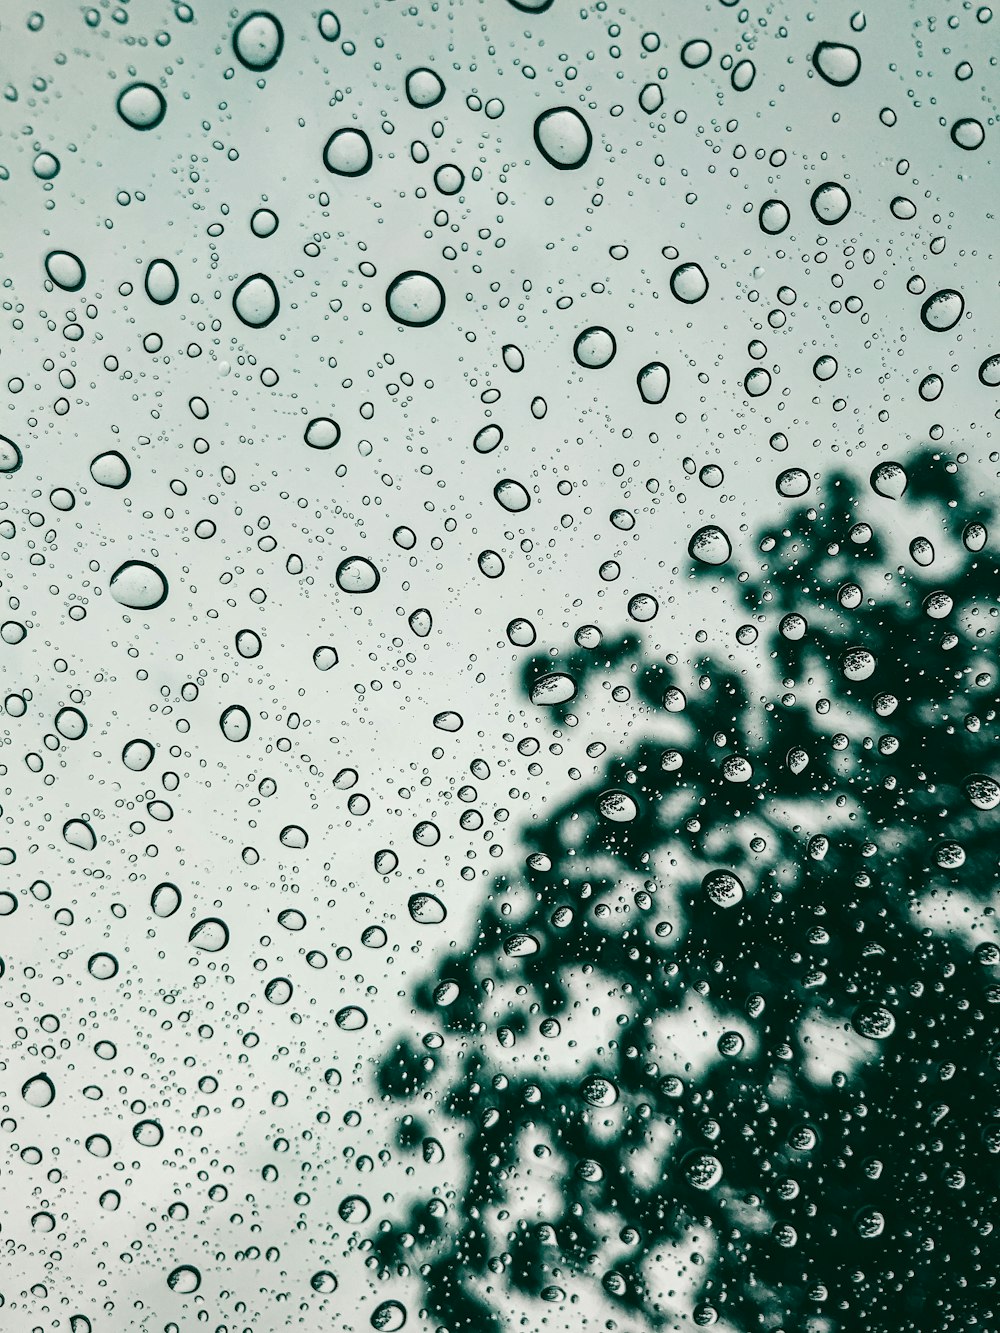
{"x":837,"y":770}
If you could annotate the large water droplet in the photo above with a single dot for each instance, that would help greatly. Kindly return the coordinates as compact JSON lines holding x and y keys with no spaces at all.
{"x":141,"y":106}
{"x":161,"y":281}
{"x":415,"y":299}
{"x":348,"y":152}
{"x":423,"y":88}
{"x":39,"y":1091}
{"x":235,"y":723}
{"x":889,"y":480}
{"x":830,"y":203}
{"x":555,"y":687}
{"x":65,"y":270}
{"x":256,"y":301}
{"x":836,"y":62}
{"x":710,"y":546}
{"x":139,"y":585}
{"x":654,"y":382}
{"x":111,"y":469}
{"x":563,"y":138}
{"x":356,"y":575}
{"x":11,"y":457}
{"x":184,"y":1279}
{"x":78,"y":833}
{"x":257,"y":40}
{"x":942,"y":311}
{"x":595,"y":347}
{"x":689,"y":283}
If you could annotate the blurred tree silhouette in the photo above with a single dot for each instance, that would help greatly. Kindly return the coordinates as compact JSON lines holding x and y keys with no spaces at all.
{"x":801,"y":856}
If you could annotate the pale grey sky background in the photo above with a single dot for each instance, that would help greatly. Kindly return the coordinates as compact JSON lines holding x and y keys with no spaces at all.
{"x":210,"y":415}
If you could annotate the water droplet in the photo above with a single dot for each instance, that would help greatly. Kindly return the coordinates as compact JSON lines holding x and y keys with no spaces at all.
{"x":137,"y":755}
{"x":102,"y":966}
{"x":39,"y":1091}
{"x":141,"y":106}
{"x":511,"y":495}
{"x":256,"y":301}
{"x":257,"y":40}
{"x":139,"y":585}
{"x":710,"y":546}
{"x":65,"y":270}
{"x":165,"y":900}
{"x":873,"y":1021}
{"x":696,"y":53}
{"x":702,"y":1171}
{"x":111,"y":469}
{"x":943,"y":310}
{"x":210,"y":935}
{"x":357,"y":575}
{"x":487,"y":439}
{"x":351,"y":1018}
{"x":689,"y":283}
{"x":10,"y":455}
{"x":643,"y":607}
{"x":830,"y":203}
{"x":723,"y":888}
{"x":889,"y":480}
{"x":617,"y":806}
{"x":389,"y":1316}
{"x":983,"y":791}
{"x":968,"y":133}
{"x":774,"y":217}
{"x":448,"y":721}
{"x":322,"y":433}
{"x":555,"y":687}
{"x":161,"y":281}
{"x":836,"y":62}
{"x":599,"y":1091}
{"x":348,"y":152}
{"x":415,"y":299}
{"x":563,"y":138}
{"x":78,"y":833}
{"x":423,"y":88}
{"x":595,"y":348}
{"x":974,"y":536}
{"x":184,"y":1280}
{"x":235,"y":723}
{"x":653,"y":381}
{"x":425,"y":909}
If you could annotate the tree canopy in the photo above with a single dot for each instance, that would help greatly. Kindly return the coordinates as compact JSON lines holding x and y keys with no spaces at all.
{"x":799,"y":859}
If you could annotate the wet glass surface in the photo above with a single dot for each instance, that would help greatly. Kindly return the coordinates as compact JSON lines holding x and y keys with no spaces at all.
{"x":499,"y":649}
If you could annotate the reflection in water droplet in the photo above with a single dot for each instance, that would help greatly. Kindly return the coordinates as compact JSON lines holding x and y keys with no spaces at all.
{"x":889,"y":480}
{"x":555,"y":687}
{"x":210,"y":935}
{"x":39,"y":1091}
{"x":185,"y":1279}
{"x":942,"y":311}
{"x":710,"y":546}
{"x":689,"y":283}
{"x":830,"y":203}
{"x":357,"y":575}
